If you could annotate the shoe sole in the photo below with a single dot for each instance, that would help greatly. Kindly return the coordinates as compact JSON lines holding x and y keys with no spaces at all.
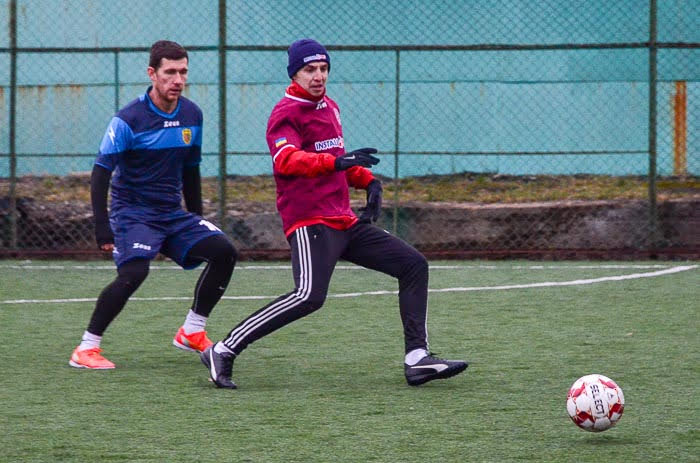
{"x":448,"y":373}
{"x":184,"y":347}
{"x":179,"y":345}
{"x":78,"y":365}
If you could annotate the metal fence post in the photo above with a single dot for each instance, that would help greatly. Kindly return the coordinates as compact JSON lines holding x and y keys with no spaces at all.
{"x":396,"y":142}
{"x":222,"y":112}
{"x":12,"y":122}
{"x":116,"y":81}
{"x":680,"y":129}
{"x":653,"y":220}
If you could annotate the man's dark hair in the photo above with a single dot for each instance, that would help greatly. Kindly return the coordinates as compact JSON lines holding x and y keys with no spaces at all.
{"x":165,"y":49}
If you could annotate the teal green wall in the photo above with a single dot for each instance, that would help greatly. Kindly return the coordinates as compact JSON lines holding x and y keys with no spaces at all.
{"x":450,"y":101}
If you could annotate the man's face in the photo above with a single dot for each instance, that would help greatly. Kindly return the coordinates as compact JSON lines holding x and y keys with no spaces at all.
{"x":169,"y":79}
{"x":313,"y":77}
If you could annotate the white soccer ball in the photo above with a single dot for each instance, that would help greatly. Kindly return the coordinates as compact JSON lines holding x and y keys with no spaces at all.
{"x":595,"y":402}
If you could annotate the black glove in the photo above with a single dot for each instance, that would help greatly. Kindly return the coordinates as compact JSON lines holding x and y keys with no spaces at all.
{"x":103,"y":234}
{"x":370,"y":213}
{"x":362,"y":157}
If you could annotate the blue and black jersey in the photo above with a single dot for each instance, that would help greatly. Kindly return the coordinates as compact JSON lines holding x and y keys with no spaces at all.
{"x":147,"y":149}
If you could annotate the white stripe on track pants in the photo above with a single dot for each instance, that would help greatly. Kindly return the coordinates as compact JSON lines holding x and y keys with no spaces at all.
{"x":316,"y":250}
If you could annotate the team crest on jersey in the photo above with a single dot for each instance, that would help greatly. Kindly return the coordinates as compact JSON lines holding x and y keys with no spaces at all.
{"x":187,"y":136}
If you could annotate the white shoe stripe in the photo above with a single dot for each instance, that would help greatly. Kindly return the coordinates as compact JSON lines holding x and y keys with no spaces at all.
{"x":212,"y":368}
{"x":293,"y":300}
{"x":438,"y":367}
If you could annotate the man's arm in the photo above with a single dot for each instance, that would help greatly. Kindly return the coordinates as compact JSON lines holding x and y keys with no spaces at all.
{"x":295,"y":162}
{"x":292,"y":161}
{"x":99,"y":187}
{"x":359,"y":177}
{"x":192,"y":189}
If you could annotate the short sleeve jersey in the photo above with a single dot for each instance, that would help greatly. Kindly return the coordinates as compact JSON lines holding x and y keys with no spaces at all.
{"x":147,"y":149}
{"x":311,"y":126}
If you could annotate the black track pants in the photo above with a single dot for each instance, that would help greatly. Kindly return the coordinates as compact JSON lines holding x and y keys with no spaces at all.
{"x":315,"y":251}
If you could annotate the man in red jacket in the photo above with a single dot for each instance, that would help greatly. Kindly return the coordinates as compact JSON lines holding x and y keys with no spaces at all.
{"x":313,"y":173}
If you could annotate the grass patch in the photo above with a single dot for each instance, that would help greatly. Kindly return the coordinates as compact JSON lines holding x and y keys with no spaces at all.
{"x":466,"y":187}
{"x":330,"y":387}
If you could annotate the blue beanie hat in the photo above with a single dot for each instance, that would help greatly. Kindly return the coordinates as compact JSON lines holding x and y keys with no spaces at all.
{"x":303,"y":52}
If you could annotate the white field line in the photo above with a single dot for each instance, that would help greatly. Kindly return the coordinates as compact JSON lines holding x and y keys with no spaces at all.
{"x":349,"y":267}
{"x":544,"y":284}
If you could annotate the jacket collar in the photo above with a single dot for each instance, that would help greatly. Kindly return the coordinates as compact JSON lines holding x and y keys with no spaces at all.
{"x":297,"y":92}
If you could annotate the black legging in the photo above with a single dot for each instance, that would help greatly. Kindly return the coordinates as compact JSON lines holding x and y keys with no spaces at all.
{"x":217,"y":251}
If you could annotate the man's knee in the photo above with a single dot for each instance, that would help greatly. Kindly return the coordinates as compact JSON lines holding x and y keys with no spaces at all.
{"x":316,"y":302}
{"x":218,"y":250}
{"x":133,"y":273}
{"x":417,"y":265}
{"x":313,"y":303}
{"x":226,"y":253}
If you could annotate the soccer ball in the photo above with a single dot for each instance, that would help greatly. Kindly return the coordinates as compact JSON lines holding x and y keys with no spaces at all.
{"x":595,"y":403}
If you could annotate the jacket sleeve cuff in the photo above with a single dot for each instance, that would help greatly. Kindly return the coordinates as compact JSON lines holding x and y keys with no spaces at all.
{"x":328,"y":162}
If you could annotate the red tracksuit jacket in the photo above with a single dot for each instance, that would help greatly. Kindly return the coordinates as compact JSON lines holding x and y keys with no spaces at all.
{"x":305,"y":136}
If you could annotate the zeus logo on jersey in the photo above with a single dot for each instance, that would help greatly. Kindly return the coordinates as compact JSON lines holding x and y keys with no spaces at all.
{"x":171,"y":123}
{"x":141,"y":246}
{"x":336,"y":142}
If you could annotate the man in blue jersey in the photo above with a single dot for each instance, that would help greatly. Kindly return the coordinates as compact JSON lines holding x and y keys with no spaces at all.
{"x":151,"y":152}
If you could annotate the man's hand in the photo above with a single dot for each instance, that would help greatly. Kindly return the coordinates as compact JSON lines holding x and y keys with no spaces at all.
{"x":370,"y":213}
{"x":362,"y":157}
{"x":104,"y":236}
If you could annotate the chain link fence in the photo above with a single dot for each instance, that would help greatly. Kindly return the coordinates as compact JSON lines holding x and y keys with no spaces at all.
{"x":543,"y":128}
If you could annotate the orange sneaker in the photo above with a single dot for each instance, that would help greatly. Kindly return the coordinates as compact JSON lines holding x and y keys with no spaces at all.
{"x":89,"y":358}
{"x":195,"y":342}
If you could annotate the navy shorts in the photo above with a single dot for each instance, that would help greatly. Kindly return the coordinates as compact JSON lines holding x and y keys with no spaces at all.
{"x":172,"y":236}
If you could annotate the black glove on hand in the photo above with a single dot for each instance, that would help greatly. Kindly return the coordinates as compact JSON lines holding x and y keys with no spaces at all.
{"x":370,"y":213}
{"x":362,"y":157}
{"x":103,"y":234}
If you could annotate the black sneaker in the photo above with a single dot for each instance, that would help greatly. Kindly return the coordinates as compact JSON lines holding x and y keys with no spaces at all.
{"x":431,"y":367}
{"x":220,"y":367}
